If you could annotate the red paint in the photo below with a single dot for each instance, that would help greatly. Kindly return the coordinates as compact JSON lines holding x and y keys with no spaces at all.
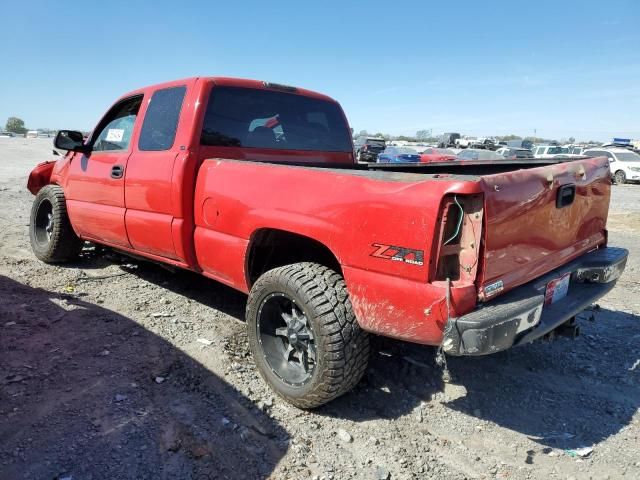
{"x":200,"y":208}
{"x":40,"y":176}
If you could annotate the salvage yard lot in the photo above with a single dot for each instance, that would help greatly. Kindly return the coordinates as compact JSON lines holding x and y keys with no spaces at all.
{"x":115,"y":368}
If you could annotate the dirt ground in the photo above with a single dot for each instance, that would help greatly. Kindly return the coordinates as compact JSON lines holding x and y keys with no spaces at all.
{"x":113,"y":368}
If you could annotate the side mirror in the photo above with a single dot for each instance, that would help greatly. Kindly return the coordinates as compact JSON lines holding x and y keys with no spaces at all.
{"x":70,"y":140}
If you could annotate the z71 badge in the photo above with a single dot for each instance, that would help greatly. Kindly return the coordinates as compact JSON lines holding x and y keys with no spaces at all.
{"x":398,"y":254}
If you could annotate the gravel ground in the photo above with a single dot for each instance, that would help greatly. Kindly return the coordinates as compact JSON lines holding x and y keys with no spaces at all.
{"x":114,"y":368}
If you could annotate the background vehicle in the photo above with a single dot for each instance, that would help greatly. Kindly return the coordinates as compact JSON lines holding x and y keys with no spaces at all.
{"x":478,"y":154}
{"x":368,"y":148}
{"x":528,"y":144}
{"x":6,"y":135}
{"x":487,"y":143}
{"x":551,"y":151}
{"x":576,"y":149}
{"x":32,"y":134}
{"x":399,"y":155}
{"x":514,"y":153}
{"x":466,"y":141}
{"x":448,"y":140}
{"x":624,"y":164}
{"x":237,"y":188}
{"x":431,"y":154}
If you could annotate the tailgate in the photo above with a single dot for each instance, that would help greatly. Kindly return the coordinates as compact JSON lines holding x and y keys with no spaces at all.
{"x":535,"y":224}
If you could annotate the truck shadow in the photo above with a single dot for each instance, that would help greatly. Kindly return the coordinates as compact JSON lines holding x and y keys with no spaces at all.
{"x":89,"y":393}
{"x":565,"y":394}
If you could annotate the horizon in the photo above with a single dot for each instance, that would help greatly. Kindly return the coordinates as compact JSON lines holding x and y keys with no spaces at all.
{"x":495,"y":71}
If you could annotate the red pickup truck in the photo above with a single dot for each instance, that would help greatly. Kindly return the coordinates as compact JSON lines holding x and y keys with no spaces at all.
{"x":255,"y":185}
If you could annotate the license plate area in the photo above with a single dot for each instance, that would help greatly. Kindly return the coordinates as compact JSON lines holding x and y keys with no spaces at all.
{"x":557,"y":289}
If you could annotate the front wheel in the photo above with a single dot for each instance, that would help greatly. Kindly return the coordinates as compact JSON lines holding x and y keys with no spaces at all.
{"x":304,"y":337}
{"x":619,"y":178}
{"x":50,"y":233}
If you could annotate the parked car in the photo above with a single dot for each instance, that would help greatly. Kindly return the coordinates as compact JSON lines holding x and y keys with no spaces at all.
{"x":398,"y":155}
{"x":576,"y":149}
{"x":528,"y":144}
{"x":7,"y":134}
{"x":487,"y":143}
{"x":448,"y":140}
{"x":368,"y":148}
{"x":31,"y":134}
{"x":514,"y":153}
{"x":431,"y":154}
{"x":471,"y":262}
{"x":552,"y":151}
{"x":466,"y":141}
{"x":474,"y":154}
{"x":623,"y":163}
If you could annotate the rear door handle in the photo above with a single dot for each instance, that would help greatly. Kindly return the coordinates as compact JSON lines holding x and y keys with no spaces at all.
{"x":117,"y":171}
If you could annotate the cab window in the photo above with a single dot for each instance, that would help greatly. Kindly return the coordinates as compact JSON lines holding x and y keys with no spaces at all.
{"x":161,"y":120}
{"x":115,"y":130}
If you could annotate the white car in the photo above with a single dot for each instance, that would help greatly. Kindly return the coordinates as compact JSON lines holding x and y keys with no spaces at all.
{"x":552,"y":151}
{"x":624,"y":164}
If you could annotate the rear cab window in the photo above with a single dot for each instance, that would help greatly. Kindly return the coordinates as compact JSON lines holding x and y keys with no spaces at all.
{"x":266,"y":119}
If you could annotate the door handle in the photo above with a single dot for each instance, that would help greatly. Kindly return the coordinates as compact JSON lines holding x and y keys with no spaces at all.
{"x":117,"y":171}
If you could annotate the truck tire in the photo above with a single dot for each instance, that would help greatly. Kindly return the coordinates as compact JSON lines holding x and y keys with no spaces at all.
{"x":52,"y":238}
{"x":303,"y":335}
{"x":619,"y":178}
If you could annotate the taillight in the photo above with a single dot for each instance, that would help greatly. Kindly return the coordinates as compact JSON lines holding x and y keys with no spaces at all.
{"x":365,"y":147}
{"x":456,"y":252}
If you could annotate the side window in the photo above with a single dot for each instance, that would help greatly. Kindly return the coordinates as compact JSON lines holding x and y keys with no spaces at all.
{"x":161,"y":120}
{"x":115,"y":130}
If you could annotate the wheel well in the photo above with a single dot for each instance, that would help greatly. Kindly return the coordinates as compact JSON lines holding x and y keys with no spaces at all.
{"x":271,"y":248}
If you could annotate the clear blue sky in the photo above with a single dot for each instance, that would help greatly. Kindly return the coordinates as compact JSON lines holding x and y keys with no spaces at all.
{"x":565,"y":68}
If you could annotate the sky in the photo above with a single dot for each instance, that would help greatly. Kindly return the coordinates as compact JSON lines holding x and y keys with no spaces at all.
{"x":557,"y":68}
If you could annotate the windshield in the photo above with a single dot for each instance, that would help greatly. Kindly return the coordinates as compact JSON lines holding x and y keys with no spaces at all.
{"x":376,"y":143}
{"x":628,"y":157}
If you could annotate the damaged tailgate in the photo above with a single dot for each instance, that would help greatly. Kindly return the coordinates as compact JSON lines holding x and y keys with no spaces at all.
{"x":541,"y":218}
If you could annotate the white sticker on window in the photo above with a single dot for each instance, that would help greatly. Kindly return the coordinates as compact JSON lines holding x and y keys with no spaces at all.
{"x":115,"y":135}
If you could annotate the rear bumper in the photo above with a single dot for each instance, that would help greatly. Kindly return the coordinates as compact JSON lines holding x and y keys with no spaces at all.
{"x":521,"y":315}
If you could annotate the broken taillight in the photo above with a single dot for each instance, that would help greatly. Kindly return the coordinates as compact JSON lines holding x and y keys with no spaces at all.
{"x":457,"y":247}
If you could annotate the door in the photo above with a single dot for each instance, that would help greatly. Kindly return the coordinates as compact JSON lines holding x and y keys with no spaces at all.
{"x":150,"y":214}
{"x":95,"y":182}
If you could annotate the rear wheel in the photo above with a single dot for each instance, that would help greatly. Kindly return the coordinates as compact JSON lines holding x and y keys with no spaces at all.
{"x":303,"y":334}
{"x":619,"y":178}
{"x":50,"y":233}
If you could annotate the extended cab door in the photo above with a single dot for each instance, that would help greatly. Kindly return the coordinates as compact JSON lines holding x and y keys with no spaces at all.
{"x":151,"y":178}
{"x":95,"y":181}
